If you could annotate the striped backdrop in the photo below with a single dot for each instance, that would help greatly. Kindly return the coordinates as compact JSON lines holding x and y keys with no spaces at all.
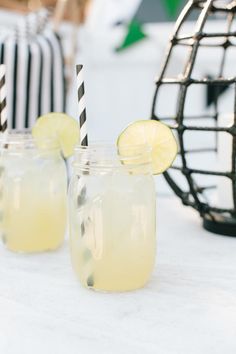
{"x":34,"y":70}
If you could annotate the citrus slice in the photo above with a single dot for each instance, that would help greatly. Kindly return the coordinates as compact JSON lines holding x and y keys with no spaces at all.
{"x":154,"y":134}
{"x":61,"y":128}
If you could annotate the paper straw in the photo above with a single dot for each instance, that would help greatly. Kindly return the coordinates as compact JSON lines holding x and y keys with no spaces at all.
{"x":82,"y":107}
{"x":83,"y":129}
{"x":3,"y":132}
{"x":3,"y":100}
{"x":81,"y":184}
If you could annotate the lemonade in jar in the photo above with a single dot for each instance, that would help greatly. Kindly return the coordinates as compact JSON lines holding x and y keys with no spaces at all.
{"x":33,"y":183}
{"x":112,"y":207}
{"x":33,"y":193}
{"x":112,"y":218}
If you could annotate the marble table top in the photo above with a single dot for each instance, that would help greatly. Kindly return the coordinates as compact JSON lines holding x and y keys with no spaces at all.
{"x":188,"y":307}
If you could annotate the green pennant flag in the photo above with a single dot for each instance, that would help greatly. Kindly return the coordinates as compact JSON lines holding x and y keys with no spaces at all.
{"x":134,"y":35}
{"x":172,"y":7}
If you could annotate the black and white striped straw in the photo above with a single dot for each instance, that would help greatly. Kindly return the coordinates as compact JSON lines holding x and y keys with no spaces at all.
{"x":82,"y":106}
{"x":3,"y":100}
{"x":81,"y":183}
{"x":3,"y":131}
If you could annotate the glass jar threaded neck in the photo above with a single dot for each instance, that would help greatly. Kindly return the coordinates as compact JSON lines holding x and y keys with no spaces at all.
{"x":107,"y":158}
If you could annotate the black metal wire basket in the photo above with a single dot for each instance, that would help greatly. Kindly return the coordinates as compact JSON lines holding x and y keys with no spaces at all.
{"x":200,"y":183}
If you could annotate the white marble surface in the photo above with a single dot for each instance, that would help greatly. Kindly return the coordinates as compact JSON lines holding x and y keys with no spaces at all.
{"x":189,"y":306}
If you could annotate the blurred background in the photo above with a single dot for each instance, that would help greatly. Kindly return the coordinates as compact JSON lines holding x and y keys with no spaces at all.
{"x":122,"y":45}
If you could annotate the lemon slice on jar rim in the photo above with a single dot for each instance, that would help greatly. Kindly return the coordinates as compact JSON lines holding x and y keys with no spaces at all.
{"x":59,"y":127}
{"x":156,"y":135}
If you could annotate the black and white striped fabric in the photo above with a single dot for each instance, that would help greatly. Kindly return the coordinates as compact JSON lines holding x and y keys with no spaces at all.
{"x":34,"y":62}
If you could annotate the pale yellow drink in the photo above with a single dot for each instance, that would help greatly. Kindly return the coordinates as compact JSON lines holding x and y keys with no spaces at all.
{"x":33,"y":201}
{"x":113,"y":231}
{"x":113,"y":206}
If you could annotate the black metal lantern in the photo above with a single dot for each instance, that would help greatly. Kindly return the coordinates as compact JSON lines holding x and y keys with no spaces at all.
{"x":202,"y":180}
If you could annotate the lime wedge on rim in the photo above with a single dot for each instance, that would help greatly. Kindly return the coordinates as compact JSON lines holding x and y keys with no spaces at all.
{"x":154,"y":134}
{"x":61,"y":128}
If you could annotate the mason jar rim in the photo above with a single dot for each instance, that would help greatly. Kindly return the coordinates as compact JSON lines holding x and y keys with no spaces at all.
{"x":107,"y":155}
{"x":98,"y":146}
{"x":23,"y":140}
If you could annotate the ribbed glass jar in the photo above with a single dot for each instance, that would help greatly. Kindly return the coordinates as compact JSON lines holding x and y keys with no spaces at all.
{"x":112,"y":207}
{"x":33,"y":199}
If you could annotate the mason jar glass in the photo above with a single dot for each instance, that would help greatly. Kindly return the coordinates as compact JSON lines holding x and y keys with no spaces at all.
{"x":33,"y":187}
{"x":112,"y":214}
